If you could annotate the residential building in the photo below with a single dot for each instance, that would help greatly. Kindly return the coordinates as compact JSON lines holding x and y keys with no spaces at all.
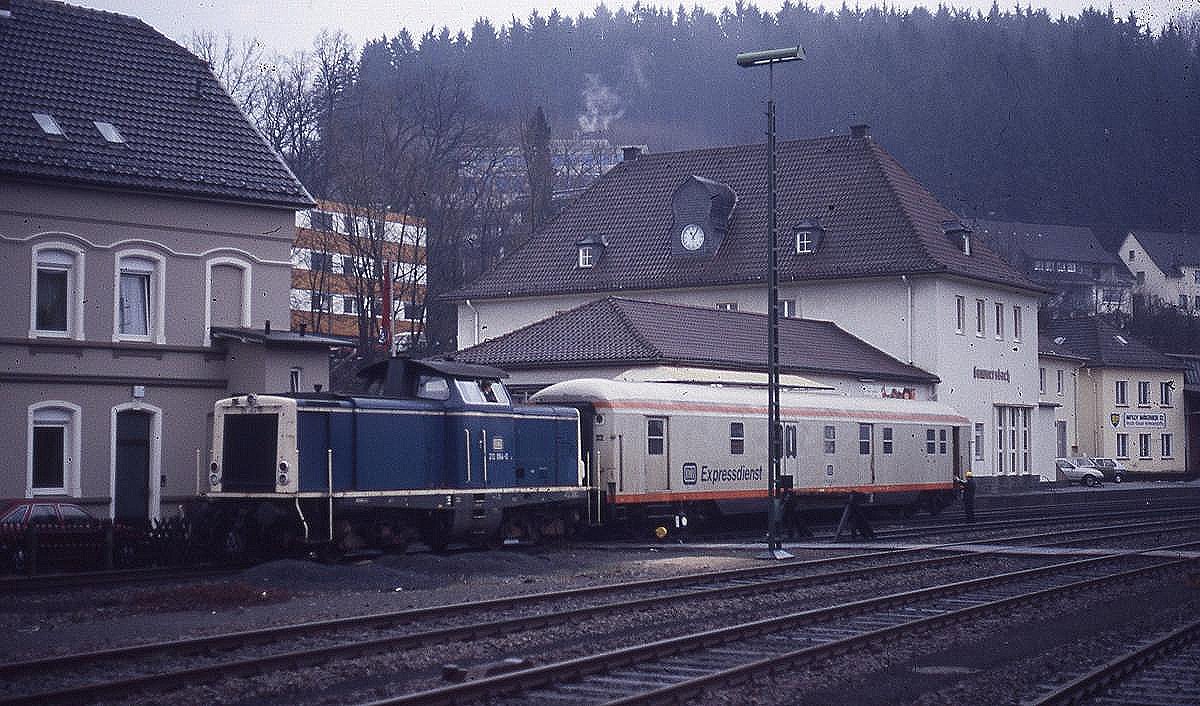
{"x":1084,"y":278}
{"x":1131,"y":404}
{"x":626,"y":339}
{"x":145,"y":226}
{"x":862,"y":244}
{"x":340,"y":259}
{"x":1165,"y":266}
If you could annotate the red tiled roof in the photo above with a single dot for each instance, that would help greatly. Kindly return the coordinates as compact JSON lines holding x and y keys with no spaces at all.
{"x":877,"y":221}
{"x":617,"y":331}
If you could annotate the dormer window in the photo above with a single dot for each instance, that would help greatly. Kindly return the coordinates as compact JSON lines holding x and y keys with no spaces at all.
{"x":590,"y":249}
{"x":48,"y":124}
{"x":959,"y":234}
{"x":808,"y":236}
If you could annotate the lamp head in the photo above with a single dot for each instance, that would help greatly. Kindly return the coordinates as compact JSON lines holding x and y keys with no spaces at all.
{"x":770,"y":56}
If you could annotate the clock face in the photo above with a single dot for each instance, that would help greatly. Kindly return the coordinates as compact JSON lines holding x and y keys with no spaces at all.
{"x":692,"y":236}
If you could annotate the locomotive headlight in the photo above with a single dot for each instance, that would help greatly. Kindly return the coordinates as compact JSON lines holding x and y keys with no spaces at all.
{"x":214,"y":479}
{"x":283,"y":472}
{"x":283,"y":479}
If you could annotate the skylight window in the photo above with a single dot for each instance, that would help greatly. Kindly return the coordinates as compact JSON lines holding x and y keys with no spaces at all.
{"x":110,"y":132}
{"x":48,"y":124}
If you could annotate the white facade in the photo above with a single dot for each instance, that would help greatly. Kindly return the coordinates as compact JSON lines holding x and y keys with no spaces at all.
{"x":1058,"y":379}
{"x":989,"y":376}
{"x":1154,"y":284}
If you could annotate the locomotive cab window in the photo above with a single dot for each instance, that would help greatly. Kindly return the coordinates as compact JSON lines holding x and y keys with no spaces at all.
{"x":431,"y":387}
{"x":737,"y":438}
{"x":482,"y":391}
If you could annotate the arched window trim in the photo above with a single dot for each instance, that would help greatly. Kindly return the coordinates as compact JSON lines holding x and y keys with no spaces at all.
{"x":75,"y":289}
{"x":245,"y":267}
{"x":72,"y":452}
{"x":158,"y":299}
{"x":155,"y":456}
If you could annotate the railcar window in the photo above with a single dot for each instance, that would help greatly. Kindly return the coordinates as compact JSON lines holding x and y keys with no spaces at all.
{"x":930,"y":441}
{"x":430,"y":387}
{"x":888,"y":441}
{"x":655,"y":437}
{"x":830,"y":439}
{"x":864,"y":439}
{"x":941,"y":441}
{"x":789,"y":441}
{"x":737,"y":438}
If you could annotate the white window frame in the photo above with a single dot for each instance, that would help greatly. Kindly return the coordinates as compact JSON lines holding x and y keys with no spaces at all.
{"x":960,"y":313}
{"x":999,"y":321}
{"x":1164,"y":393}
{"x":1143,"y":393}
{"x":1121,"y":393}
{"x":1016,"y":323}
{"x":980,"y":318}
{"x":154,"y":482}
{"x":1042,"y":380}
{"x":1144,"y":446}
{"x":980,"y":451}
{"x":247,"y":305}
{"x":1122,"y":445}
{"x":805,"y":242}
{"x":156,"y":305}
{"x":1165,"y":446}
{"x":787,"y":308}
{"x":587,"y":256}
{"x":75,"y":287}
{"x":55,"y":413}
{"x":1060,"y":382}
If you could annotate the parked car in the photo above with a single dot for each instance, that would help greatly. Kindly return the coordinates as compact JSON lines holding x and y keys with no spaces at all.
{"x":1079,"y":469}
{"x":1112,"y":469}
{"x":67,"y":534}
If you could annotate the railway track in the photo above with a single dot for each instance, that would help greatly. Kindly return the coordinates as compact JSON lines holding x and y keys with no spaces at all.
{"x":100,"y":579}
{"x":1165,"y":672}
{"x":678,"y":668}
{"x":445,"y":624}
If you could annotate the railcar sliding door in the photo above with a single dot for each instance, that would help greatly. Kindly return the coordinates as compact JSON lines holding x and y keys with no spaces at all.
{"x":658,"y":462}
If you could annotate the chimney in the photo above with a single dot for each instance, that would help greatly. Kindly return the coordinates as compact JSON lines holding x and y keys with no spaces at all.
{"x":5,"y":8}
{"x":628,"y":153}
{"x":266,"y":324}
{"x":860,"y":130}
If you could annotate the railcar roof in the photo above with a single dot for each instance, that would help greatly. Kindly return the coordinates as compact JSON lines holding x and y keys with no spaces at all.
{"x":657,"y":394}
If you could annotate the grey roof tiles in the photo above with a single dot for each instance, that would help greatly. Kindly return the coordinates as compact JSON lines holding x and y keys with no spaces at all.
{"x":183,"y":134}
{"x":619,"y":331}
{"x":1104,"y":345}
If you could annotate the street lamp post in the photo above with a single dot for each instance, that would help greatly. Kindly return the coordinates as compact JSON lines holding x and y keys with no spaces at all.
{"x":774,"y":436}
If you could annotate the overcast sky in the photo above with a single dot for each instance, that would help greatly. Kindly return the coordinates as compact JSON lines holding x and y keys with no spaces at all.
{"x":287,"y":25}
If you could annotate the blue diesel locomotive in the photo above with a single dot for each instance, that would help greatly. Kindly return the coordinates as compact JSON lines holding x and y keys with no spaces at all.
{"x":433,"y":451}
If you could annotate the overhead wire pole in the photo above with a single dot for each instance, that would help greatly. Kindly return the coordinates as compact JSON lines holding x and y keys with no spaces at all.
{"x":771,"y":57}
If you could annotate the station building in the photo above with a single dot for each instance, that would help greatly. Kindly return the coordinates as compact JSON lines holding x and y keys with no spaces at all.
{"x":863,"y":245}
{"x":145,"y":226}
